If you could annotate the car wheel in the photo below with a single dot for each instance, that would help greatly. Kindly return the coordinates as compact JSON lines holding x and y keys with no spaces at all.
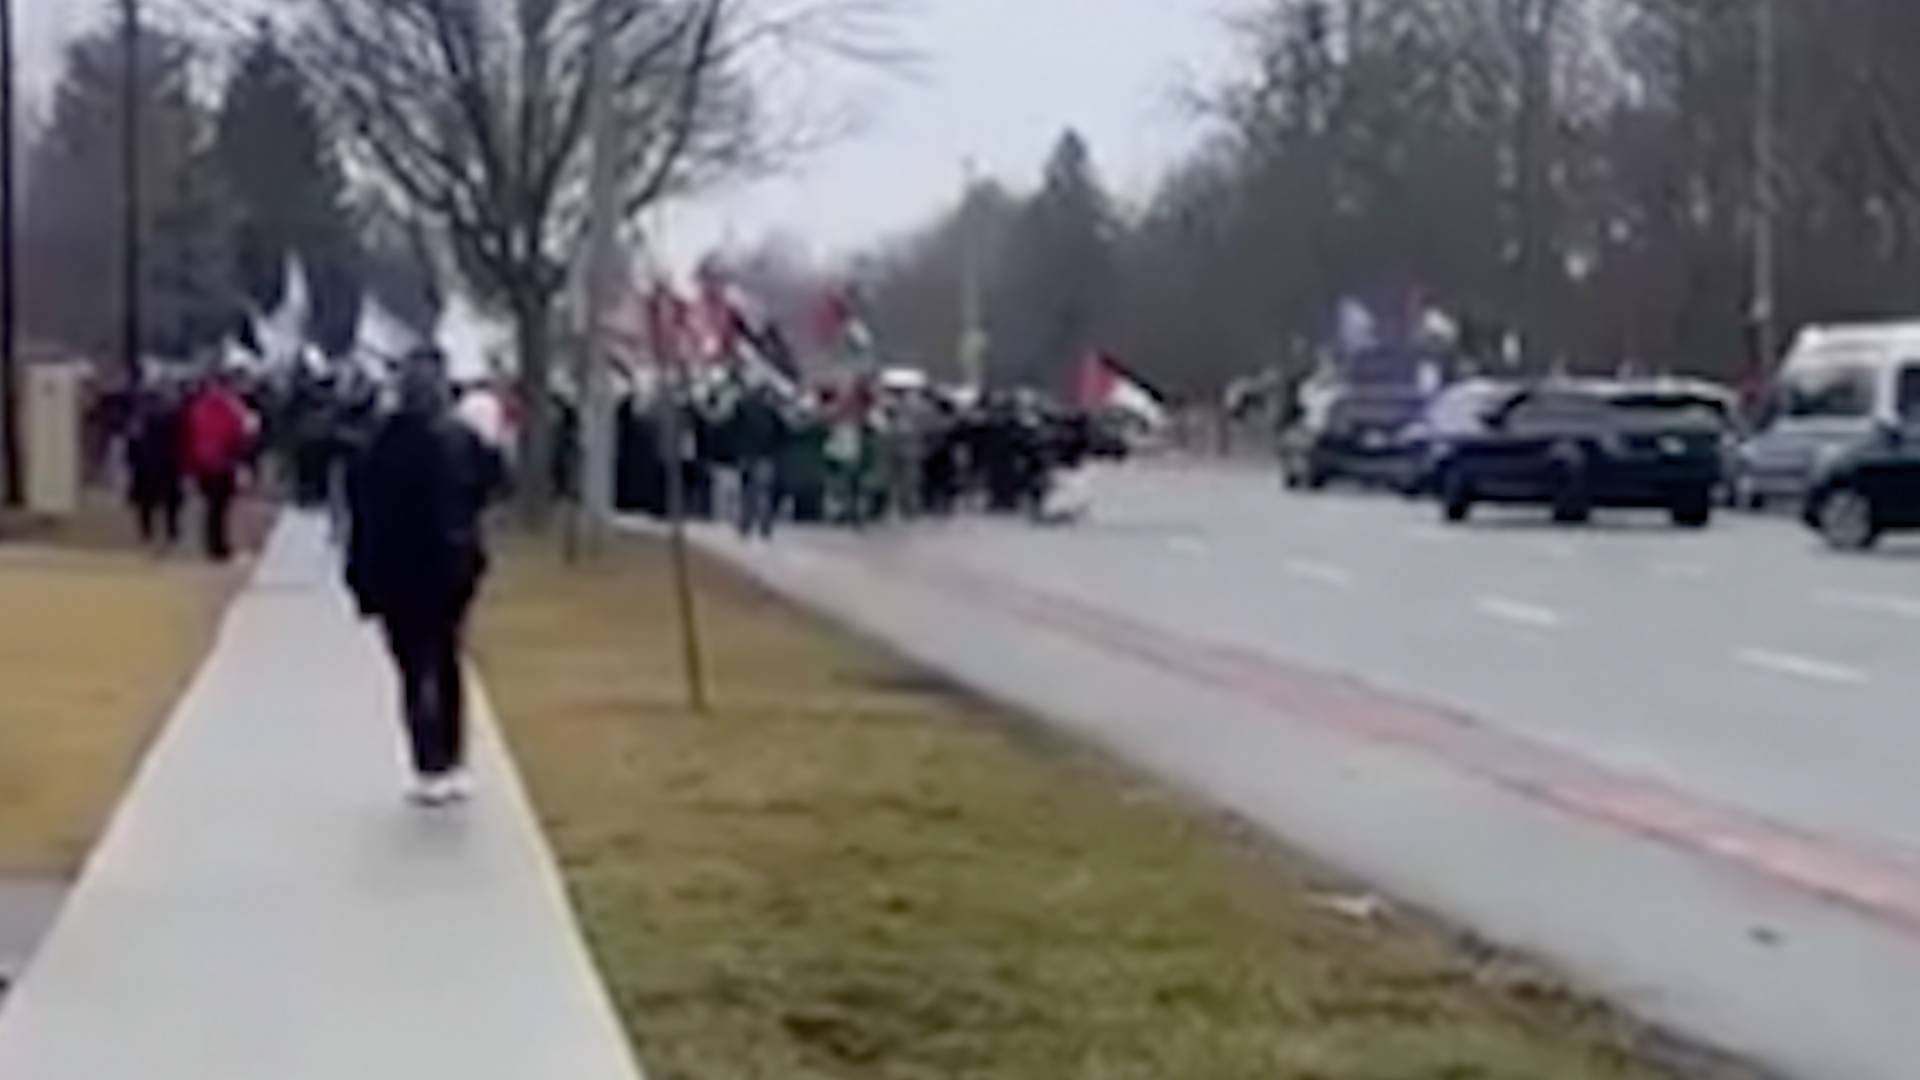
{"x":1456,"y":498}
{"x":1571,"y":505}
{"x":1694,"y":512}
{"x":1572,"y":502}
{"x":1846,"y":520}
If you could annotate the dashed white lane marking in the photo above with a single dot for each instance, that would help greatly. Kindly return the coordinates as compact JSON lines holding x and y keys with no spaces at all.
{"x":1189,"y":545}
{"x":1901,"y":607}
{"x":1682,"y":571}
{"x":1562,"y":551}
{"x":1520,"y":612}
{"x":1802,"y":667}
{"x":1323,"y":573}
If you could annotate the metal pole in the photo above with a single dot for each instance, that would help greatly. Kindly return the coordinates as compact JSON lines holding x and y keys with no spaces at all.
{"x":1539,"y":21}
{"x":11,"y":474}
{"x":596,"y":391}
{"x":973,"y":352}
{"x":1765,"y":152}
{"x":130,"y":256}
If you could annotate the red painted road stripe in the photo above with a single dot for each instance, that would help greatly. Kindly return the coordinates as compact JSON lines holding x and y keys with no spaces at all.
{"x":1883,"y":885}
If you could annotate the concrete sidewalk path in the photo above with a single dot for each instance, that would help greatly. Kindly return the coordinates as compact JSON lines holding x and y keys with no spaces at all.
{"x":264,"y":905}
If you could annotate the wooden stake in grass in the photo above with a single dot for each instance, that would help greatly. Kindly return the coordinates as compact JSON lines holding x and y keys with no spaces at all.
{"x":689,"y":629}
{"x":670,"y":355}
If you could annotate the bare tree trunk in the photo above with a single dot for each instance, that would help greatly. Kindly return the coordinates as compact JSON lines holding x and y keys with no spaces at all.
{"x":132,"y":274}
{"x":533,"y":330}
{"x":1537,"y":262}
{"x":12,"y":477}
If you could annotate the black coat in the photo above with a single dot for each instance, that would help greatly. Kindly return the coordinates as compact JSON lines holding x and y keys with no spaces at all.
{"x":153,"y":457}
{"x":759,"y":431}
{"x":416,"y":546}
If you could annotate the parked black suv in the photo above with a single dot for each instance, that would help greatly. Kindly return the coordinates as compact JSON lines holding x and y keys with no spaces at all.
{"x":1869,"y":491}
{"x":1576,"y":446}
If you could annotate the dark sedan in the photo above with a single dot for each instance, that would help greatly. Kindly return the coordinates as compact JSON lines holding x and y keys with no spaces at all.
{"x":1868,"y":492}
{"x":1361,"y":437}
{"x":1458,"y":413}
{"x":1576,"y":447}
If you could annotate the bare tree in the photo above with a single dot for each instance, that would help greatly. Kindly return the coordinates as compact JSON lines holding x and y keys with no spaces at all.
{"x":475,"y":112}
{"x":1580,"y":170}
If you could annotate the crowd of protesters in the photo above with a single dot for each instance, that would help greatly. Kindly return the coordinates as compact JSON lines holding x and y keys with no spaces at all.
{"x":191,"y":438}
{"x":750,"y":451}
{"x":858,"y":455}
{"x":205,"y":436}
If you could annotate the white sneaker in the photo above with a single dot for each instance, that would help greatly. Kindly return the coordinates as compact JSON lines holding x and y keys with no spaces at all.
{"x":457,"y":785}
{"x":430,"y":791}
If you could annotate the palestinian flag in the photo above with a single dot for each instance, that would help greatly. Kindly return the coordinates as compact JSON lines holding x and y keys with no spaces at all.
{"x":1106,"y":386}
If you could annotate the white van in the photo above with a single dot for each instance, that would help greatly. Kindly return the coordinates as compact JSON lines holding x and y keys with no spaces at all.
{"x":1840,"y":385}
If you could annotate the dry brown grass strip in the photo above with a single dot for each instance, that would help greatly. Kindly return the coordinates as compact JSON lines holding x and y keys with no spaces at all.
{"x":94,"y":649}
{"x":850,"y":871}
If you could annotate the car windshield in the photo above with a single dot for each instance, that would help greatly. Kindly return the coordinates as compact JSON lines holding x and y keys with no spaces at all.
{"x":1558,"y":412}
{"x":1465,"y":409}
{"x":1831,"y":393}
{"x":1375,"y":410}
{"x":1671,"y":410}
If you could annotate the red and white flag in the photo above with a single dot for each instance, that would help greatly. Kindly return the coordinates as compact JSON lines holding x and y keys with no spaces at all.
{"x":1106,"y":386}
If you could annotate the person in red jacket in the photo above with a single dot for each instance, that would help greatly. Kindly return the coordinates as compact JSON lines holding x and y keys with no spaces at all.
{"x":216,"y":430}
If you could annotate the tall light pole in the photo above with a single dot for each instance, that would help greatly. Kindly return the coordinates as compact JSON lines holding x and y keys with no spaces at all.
{"x":973,"y":336}
{"x":1765,"y":210}
{"x":595,"y":429}
{"x":1538,"y":25}
{"x":130,"y":256}
{"x":11,"y":479}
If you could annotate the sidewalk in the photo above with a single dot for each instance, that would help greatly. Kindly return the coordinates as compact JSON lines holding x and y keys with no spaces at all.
{"x":265,"y":906}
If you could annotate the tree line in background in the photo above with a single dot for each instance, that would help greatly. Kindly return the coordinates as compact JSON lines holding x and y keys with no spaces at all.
{"x":1578,"y":177}
{"x":469,"y":130}
{"x":233,"y":186}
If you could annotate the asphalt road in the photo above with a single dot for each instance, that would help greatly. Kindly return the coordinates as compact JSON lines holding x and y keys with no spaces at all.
{"x":1683,"y":764}
{"x":1746,"y":662}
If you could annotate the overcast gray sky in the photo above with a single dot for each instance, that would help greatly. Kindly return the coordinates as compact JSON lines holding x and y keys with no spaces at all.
{"x":43,"y":26}
{"x":996,"y":81}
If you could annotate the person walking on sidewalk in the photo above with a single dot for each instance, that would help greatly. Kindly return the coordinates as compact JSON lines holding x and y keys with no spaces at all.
{"x":153,"y":468}
{"x":216,"y":429}
{"x":415,"y":557}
